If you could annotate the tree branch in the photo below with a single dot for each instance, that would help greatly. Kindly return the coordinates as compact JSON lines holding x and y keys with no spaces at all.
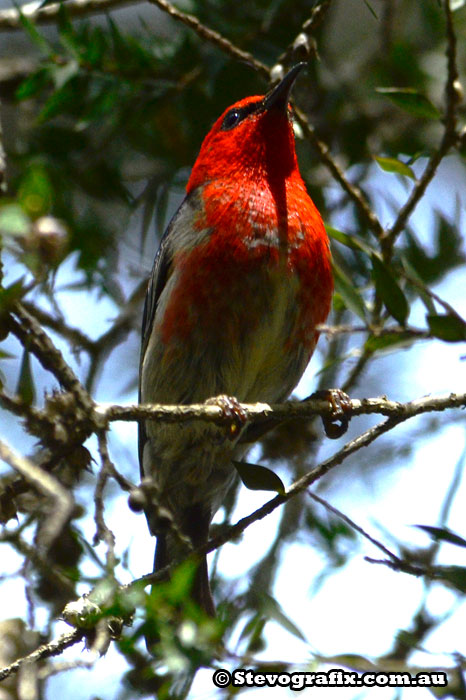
{"x":353,"y":192}
{"x":238,"y":528}
{"x":258,"y":412}
{"x":53,"y":648}
{"x":449,"y":137}
{"x":303,"y":46}
{"x":11,"y":18}
{"x":47,"y":485}
{"x":34,"y":338}
{"x":234,"y":531}
{"x":103,"y":532}
{"x":74,"y":335}
{"x":212,"y":36}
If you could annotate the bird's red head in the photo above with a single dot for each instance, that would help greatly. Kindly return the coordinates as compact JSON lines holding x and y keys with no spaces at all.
{"x":253,"y":139}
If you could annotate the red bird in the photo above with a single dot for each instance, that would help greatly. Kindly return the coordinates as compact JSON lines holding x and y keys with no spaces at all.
{"x":240,"y":281}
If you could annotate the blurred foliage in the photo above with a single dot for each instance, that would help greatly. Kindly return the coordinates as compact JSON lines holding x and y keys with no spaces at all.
{"x":112,"y":117}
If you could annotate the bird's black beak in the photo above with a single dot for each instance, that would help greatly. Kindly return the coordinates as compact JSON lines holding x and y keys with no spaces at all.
{"x":278,"y":97}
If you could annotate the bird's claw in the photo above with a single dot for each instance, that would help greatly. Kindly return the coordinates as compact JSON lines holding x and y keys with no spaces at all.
{"x":336,"y":424}
{"x":231,"y":410}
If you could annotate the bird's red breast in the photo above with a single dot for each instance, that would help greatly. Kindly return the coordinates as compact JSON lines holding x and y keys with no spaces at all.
{"x":258,"y":215}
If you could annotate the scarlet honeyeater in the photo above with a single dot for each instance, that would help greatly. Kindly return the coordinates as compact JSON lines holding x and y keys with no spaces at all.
{"x":240,"y":281}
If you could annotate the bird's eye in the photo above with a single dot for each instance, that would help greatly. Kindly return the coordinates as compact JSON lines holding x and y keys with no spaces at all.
{"x":232,"y":118}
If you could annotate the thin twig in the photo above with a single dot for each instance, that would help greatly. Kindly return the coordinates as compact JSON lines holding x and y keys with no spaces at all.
{"x":428,"y":292}
{"x":2,"y":164}
{"x":103,"y":532}
{"x":125,"y":322}
{"x":448,"y":140}
{"x":54,"y":669}
{"x":234,"y":531}
{"x":212,"y":36}
{"x":49,"y":486}
{"x":11,"y":18}
{"x":406,"y":567}
{"x":354,"y":193}
{"x":43,"y":565}
{"x":351,"y":381}
{"x":33,"y":337}
{"x":353,"y":525}
{"x":74,"y":335}
{"x":376,"y":331}
{"x":38,"y":421}
{"x":303,"y":45}
{"x":322,"y":149}
{"x":53,"y":648}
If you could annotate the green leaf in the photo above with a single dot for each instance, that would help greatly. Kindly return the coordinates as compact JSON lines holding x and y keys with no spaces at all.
{"x":443,"y":534}
{"x":446,"y":255}
{"x":25,"y":388}
{"x":454,"y":575}
{"x":34,"y":34}
{"x":389,"y":290}
{"x":353,"y":661}
{"x":257,"y":478}
{"x":44,"y":3}
{"x":424,"y":297}
{"x":35,"y":192}
{"x":181,"y":581}
{"x":253,"y":633}
{"x":447,"y":327}
{"x":412,"y":101}
{"x":272,"y":610}
{"x":348,"y":292}
{"x":393,"y":165}
{"x":59,"y":102}
{"x":9,"y":295}
{"x":33,"y":84}
{"x":350,"y":241}
{"x":388,"y":340}
{"x":13,"y":221}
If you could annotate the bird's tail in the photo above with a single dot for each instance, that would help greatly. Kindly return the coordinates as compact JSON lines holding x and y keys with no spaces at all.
{"x":195,"y":526}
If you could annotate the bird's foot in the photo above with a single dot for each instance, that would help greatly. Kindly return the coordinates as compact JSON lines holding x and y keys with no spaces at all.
{"x":231,"y":411}
{"x":336,"y":424}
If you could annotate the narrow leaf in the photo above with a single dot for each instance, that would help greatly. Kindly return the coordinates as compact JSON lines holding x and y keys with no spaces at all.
{"x":447,"y":327}
{"x":393,"y":165}
{"x":252,"y":631}
{"x":388,"y":340}
{"x":273,"y":610}
{"x":389,"y":291}
{"x":33,"y":84}
{"x":257,"y":478}
{"x":350,"y":241}
{"x":443,"y":534}
{"x":453,"y":575}
{"x":9,"y":295}
{"x":25,"y":388}
{"x":34,"y":33}
{"x":412,"y":101}
{"x":348,"y":292}
{"x":425,"y":298}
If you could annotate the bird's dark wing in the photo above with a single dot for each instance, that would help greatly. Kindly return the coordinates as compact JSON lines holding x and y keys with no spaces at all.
{"x":158,"y":278}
